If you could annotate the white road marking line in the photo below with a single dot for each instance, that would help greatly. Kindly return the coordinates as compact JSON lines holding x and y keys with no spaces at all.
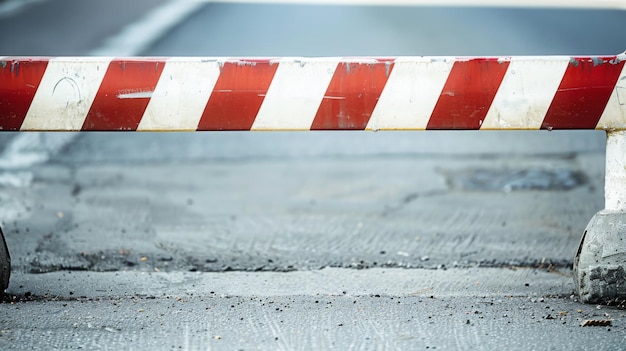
{"x":599,"y":4}
{"x":138,"y":36}
{"x":28,"y":149}
{"x":63,"y":88}
{"x":11,"y":7}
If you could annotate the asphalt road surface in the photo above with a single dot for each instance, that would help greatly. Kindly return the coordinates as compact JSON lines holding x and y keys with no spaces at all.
{"x":344,"y":240}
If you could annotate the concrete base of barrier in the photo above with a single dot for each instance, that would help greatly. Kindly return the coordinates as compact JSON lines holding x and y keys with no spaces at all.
{"x":5,"y":264}
{"x":600,"y":264}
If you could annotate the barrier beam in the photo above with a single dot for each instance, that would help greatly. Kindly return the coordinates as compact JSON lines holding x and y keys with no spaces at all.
{"x":338,"y":93}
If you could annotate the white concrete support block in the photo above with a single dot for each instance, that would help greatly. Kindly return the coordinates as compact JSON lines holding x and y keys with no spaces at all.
{"x":600,"y":263}
{"x":615,"y":179}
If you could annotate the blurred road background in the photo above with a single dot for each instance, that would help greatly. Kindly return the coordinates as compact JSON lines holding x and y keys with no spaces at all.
{"x":388,"y":240}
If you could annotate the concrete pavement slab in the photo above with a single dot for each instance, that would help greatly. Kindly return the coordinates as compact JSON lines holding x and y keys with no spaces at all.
{"x":381,"y":309}
{"x":274,"y":214}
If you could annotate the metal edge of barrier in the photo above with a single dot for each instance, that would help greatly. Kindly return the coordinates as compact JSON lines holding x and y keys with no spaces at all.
{"x":335,"y":93}
{"x":5,"y":264}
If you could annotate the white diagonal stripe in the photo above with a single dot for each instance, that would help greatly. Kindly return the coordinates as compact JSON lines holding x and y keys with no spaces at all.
{"x":181,"y":94}
{"x":614,"y":115}
{"x":65,"y":94}
{"x":526,"y":92}
{"x":411,"y":93}
{"x":295,"y":94}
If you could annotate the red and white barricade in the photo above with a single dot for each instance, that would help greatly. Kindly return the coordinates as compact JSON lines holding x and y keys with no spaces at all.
{"x":408,"y":93}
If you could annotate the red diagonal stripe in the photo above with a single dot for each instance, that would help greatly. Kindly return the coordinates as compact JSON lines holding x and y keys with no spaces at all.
{"x":19,"y":80}
{"x":352,"y":95}
{"x":124,"y":94}
{"x":583,"y":93}
{"x":468,"y":93}
{"x":237,"y":95}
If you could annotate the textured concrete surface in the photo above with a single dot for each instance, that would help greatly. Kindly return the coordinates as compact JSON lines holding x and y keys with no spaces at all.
{"x":279,"y":251}
{"x":281,"y":214}
{"x":329,"y":309}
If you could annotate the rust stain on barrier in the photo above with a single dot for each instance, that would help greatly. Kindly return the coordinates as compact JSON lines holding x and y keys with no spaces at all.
{"x":597,"y":61}
{"x":621,"y":92}
{"x":247,"y":62}
{"x":141,"y":64}
{"x":388,"y":68}
{"x":15,"y":66}
{"x":585,"y":88}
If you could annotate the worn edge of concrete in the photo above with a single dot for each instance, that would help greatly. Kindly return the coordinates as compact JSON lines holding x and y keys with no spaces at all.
{"x":5,"y":264}
{"x":476,"y":282}
{"x":600,"y":263}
